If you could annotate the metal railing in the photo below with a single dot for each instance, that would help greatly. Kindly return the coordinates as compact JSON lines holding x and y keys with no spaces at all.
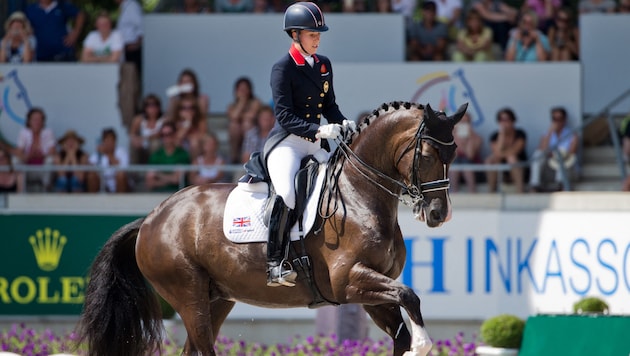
{"x":235,"y":169}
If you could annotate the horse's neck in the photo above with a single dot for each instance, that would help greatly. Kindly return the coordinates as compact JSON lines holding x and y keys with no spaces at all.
{"x":376,"y":149}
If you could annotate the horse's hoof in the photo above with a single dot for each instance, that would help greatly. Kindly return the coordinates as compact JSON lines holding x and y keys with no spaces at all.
{"x":422,"y":350}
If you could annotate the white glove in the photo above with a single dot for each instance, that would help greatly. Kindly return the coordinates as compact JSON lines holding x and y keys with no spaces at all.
{"x":349,"y":126}
{"x":329,"y":131}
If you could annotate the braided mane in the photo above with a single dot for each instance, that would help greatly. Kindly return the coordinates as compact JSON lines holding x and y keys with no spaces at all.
{"x":386,"y":108}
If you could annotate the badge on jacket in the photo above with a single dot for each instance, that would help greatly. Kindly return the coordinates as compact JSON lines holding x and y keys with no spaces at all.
{"x":326,"y":87}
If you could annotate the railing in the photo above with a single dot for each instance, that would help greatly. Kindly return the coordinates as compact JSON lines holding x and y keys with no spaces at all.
{"x":236,"y":169}
{"x":612,"y":127}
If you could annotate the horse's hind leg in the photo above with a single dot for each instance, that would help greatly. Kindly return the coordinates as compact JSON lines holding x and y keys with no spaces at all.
{"x":189,"y":294}
{"x":389,"y":319}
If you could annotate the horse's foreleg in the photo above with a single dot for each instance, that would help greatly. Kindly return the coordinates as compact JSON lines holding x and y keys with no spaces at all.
{"x":389,"y":319}
{"x":366,"y":286}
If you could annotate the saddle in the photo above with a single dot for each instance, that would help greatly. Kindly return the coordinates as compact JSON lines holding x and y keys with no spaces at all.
{"x":256,"y":172}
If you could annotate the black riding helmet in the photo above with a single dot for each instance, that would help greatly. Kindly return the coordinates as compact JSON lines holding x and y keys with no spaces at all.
{"x":304,"y":16}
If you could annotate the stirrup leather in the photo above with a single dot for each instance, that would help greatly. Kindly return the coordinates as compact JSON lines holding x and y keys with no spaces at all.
{"x":281,"y":274}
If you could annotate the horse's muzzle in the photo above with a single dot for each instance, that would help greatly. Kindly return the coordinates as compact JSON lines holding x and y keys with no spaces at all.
{"x":434,"y":213}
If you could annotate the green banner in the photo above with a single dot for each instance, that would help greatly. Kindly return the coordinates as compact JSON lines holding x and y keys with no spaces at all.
{"x":46,"y":258}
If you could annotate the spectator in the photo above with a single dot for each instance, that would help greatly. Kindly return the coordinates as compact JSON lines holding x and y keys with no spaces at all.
{"x":50,"y":22}
{"x":209,"y":156}
{"x":545,"y":10}
{"x":468,"y":151}
{"x":18,"y":44}
{"x":130,"y":27}
{"x":427,"y":39}
{"x":450,"y":13}
{"x":108,"y":154}
{"x":624,"y":7}
{"x":560,"y":137}
{"x":262,"y":7}
{"x":104,"y":44}
{"x":507,"y":145}
{"x":192,"y":7}
{"x":169,"y":153}
{"x":234,"y":6}
{"x":10,"y":181}
{"x":70,"y":154}
{"x":145,"y":129}
{"x":527,"y":43}
{"x":191,"y":126}
{"x":564,"y":37}
{"x":625,"y":186}
{"x":597,"y":6}
{"x":384,"y":6}
{"x":35,"y":143}
{"x":256,"y":137}
{"x":242,"y":115}
{"x":499,"y":16}
{"x":187,"y":86}
{"x":474,"y":41}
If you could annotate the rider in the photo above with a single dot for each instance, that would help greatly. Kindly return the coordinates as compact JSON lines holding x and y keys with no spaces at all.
{"x":302,"y":88}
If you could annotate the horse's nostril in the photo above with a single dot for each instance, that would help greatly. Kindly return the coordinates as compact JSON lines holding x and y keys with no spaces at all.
{"x":435,"y":215}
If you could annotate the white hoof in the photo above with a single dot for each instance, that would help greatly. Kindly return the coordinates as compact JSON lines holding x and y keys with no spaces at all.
{"x":419,"y":350}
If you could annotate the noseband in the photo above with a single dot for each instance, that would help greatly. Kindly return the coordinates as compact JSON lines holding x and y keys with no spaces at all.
{"x":411,"y":194}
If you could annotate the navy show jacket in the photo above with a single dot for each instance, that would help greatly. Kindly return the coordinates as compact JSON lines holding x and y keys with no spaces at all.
{"x":302,"y":95}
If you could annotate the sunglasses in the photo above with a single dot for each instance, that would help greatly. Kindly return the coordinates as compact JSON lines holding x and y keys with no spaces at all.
{"x":151,"y":104}
{"x":557,"y":119}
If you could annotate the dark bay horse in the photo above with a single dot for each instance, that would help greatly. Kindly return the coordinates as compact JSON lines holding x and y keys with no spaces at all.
{"x":401,"y":153}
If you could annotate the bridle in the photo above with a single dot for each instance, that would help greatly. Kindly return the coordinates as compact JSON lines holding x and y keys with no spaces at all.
{"x":411,"y":194}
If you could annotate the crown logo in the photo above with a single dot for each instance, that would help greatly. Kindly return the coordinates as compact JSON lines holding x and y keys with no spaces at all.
{"x":47,"y":245}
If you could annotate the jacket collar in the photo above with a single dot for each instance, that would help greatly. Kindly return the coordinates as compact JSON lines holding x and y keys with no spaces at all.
{"x":298,"y":58}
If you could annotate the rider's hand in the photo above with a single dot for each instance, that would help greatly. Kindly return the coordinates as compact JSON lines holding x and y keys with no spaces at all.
{"x":329,"y":131}
{"x":349,"y":126}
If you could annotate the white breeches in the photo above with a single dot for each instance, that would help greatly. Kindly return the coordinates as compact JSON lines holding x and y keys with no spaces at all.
{"x":284,"y":162}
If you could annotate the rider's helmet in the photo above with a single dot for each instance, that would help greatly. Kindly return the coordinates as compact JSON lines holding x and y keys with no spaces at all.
{"x":304,"y":16}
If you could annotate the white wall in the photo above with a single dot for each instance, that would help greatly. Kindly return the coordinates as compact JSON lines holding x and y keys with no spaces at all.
{"x":222,"y":47}
{"x":79,"y":97}
{"x":605,"y":54}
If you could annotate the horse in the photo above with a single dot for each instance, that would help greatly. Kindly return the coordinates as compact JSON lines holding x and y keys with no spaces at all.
{"x":399,"y":153}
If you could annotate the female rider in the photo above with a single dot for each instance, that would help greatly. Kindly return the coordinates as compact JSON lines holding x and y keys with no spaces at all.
{"x":302,"y":89}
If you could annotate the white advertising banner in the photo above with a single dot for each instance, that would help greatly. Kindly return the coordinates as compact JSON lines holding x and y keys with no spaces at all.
{"x":483,"y":263}
{"x":486,"y":262}
{"x":78,"y":97}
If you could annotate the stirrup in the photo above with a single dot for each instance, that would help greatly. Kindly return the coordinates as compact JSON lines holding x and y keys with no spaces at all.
{"x":281,"y":276}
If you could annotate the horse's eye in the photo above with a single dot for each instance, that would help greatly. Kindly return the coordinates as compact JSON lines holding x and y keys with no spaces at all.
{"x":427,"y":158}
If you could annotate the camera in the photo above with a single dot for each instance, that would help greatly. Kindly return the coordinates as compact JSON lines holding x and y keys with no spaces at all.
{"x":525,"y":33}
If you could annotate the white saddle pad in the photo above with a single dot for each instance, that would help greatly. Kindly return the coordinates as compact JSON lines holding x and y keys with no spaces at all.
{"x":243,"y":217}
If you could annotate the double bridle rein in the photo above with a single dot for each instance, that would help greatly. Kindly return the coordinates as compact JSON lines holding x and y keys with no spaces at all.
{"x":411,"y":194}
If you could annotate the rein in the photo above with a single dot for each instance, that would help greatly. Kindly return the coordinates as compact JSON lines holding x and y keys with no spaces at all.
{"x":415,"y":190}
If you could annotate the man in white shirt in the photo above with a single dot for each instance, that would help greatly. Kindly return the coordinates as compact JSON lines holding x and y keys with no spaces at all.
{"x":102,"y":45}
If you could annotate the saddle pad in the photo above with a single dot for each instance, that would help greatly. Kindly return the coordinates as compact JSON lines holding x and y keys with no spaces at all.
{"x":243,"y":216}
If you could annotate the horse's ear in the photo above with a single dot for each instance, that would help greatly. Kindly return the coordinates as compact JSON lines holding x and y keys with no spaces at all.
{"x":460,"y":113}
{"x":429,"y":114}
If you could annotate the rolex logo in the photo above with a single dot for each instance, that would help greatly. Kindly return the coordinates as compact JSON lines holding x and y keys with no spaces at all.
{"x":47,"y":246}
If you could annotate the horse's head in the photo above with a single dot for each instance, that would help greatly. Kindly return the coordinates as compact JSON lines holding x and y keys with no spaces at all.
{"x":434,"y":150}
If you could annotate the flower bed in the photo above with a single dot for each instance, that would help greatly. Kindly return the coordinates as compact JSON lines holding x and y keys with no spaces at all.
{"x":29,"y":342}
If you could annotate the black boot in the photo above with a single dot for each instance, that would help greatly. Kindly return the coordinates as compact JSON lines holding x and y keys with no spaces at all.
{"x":279,"y":272}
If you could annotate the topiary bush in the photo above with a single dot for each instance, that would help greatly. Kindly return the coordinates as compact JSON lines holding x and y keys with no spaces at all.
{"x":590,"y":305}
{"x":503,"y":330}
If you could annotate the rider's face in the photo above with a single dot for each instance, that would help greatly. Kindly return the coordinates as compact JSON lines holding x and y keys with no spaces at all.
{"x":310,"y":40}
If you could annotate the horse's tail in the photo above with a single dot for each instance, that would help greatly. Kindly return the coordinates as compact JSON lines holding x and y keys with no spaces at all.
{"x":121,"y":314}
